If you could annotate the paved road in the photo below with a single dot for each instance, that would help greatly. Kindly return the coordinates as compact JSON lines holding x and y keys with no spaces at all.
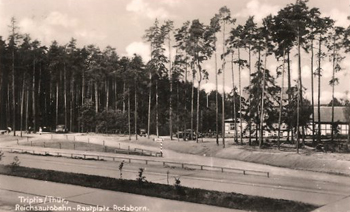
{"x":309,"y":191}
{"x":179,"y":157}
{"x":342,"y":205}
{"x":14,"y":191}
{"x":305,"y":186}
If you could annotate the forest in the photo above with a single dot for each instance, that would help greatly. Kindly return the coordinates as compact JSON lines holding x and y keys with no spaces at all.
{"x":90,"y":89}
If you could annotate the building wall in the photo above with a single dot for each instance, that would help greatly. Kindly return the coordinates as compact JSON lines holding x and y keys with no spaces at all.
{"x":230,"y":128}
{"x":325,"y":129}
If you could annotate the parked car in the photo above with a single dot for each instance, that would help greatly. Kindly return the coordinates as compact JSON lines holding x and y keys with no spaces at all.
{"x":187,"y":135}
{"x":143,"y":132}
{"x":46,"y":129}
{"x":4,"y":131}
{"x":8,"y":130}
{"x":61,"y":129}
{"x":179,"y":134}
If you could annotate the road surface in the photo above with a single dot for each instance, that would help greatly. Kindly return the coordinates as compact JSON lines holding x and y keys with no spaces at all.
{"x":16,"y":192}
{"x":305,"y":186}
{"x":283,"y":187}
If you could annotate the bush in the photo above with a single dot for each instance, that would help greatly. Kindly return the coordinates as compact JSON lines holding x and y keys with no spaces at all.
{"x":111,"y":121}
{"x":87,"y":116}
{"x":141,"y":179}
{"x":179,"y":189}
{"x":15,"y":163}
{"x":121,"y":169}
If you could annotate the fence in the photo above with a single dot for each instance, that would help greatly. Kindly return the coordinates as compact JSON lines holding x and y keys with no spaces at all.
{"x":76,"y":146}
{"x":144,"y":161}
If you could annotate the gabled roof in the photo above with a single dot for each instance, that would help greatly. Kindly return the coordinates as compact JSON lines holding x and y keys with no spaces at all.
{"x":326,"y":114}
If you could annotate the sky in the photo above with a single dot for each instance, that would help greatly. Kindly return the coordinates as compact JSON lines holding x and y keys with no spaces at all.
{"x":122,"y":23}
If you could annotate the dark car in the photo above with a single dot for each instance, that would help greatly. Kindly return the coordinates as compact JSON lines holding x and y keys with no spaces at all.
{"x":4,"y":131}
{"x":143,"y":132}
{"x":8,"y":130}
{"x":187,"y":135}
{"x":179,"y":134}
{"x":61,"y":129}
{"x":46,"y":129}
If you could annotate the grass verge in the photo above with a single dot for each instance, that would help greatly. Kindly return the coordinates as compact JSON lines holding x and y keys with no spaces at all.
{"x":176,"y":192}
{"x":83,"y":146}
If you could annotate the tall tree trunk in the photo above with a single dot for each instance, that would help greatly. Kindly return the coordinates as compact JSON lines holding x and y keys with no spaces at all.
{"x":157,"y":108}
{"x":262,"y":104}
{"x":90,"y":90}
{"x":48,"y":105}
{"x":27,"y":107}
{"x":234,"y":100}
{"x":123,"y":97}
{"x":240,"y":98}
{"x":299,"y":99}
{"x":216,"y":98}
{"x":333,"y":78}
{"x":83,"y":88}
{"x":57,"y":101}
{"x":107,"y":94}
{"x":223,"y":86}
{"x":186,"y":81}
{"x":65,"y":95}
{"x":289,"y":95}
{"x":39,"y":81}
{"x":13,"y":92}
{"x":7,"y":105}
{"x":39,"y":97}
{"x":149,"y":105}
{"x":319,"y":90}
{"x":249,"y":99}
{"x":115,"y":94}
{"x":312,"y":93}
{"x":171,"y":93}
{"x":198,"y":94}
{"x":177,"y":108}
{"x":96,"y":97}
{"x":76,"y":123}
{"x":71,"y":105}
{"x":192,"y":97}
{"x":135,"y":112}
{"x":34,"y":99}
{"x":281,"y":103}
{"x":22,"y":106}
{"x":129,"y":117}
{"x":1,"y":96}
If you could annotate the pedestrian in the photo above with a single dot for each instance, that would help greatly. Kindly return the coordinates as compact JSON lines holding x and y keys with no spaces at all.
{"x":40,"y":130}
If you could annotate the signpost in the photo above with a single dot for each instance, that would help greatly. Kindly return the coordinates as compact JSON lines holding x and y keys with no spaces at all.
{"x":160,"y":140}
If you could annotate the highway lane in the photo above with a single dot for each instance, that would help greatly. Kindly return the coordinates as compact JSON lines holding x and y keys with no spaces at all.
{"x":15,"y":190}
{"x":284,"y":187}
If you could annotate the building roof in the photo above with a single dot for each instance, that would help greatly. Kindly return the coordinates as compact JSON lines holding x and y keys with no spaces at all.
{"x":326,"y":114}
{"x":231,"y":120}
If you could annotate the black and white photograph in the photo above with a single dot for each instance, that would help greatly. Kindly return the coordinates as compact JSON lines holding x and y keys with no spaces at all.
{"x":175,"y":105}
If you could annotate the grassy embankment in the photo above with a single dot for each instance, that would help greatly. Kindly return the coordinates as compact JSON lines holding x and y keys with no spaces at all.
{"x":84,"y":146}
